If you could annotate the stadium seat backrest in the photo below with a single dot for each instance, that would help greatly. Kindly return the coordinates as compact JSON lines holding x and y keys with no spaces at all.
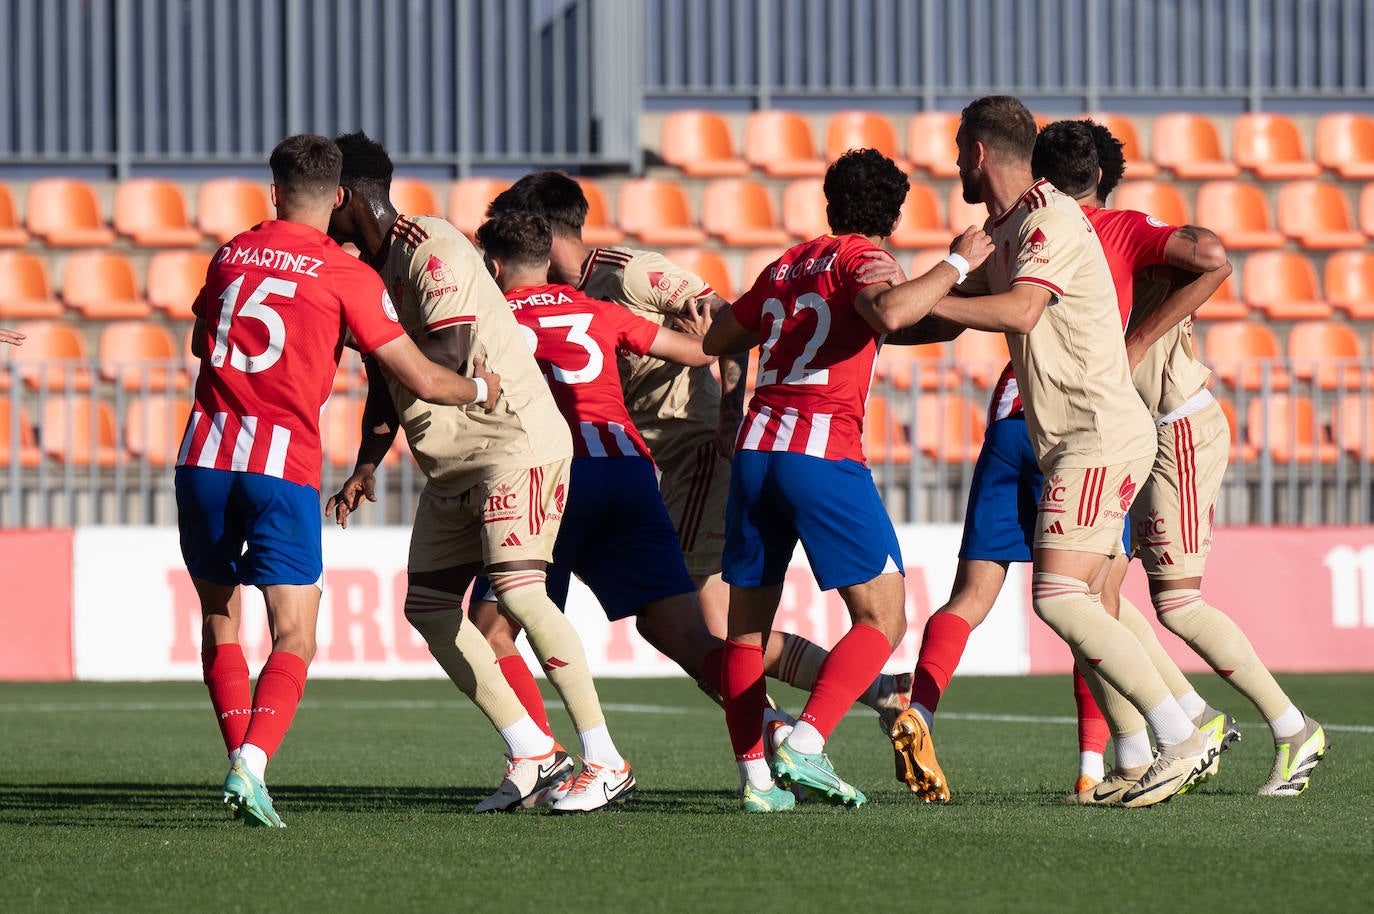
{"x":1327,"y":351}
{"x":11,"y":234}
{"x":1239,"y":350}
{"x":468,"y":200}
{"x":885,"y":438}
{"x":597,"y":228}
{"x":1345,"y":144}
{"x":25,"y":289}
{"x":1350,"y":282}
{"x":948,"y":427}
{"x":930,"y":142}
{"x":649,"y":208}
{"x":21,"y":443}
{"x":1276,"y":276}
{"x":66,"y":212}
{"x":1271,"y":146}
{"x":741,"y":213}
{"x":707,"y":264}
{"x":1317,"y":214}
{"x":80,"y":431}
{"x":1190,"y":145}
{"x":962,"y":214}
{"x":803,"y":208}
{"x":174,"y":280}
{"x":921,"y":224}
{"x":782,"y":144}
{"x":152,"y":213}
{"x":153,"y":427}
{"x":980,"y":356}
{"x":53,"y":357}
{"x":1160,"y":199}
{"x":1353,"y":426}
{"x":339,"y":424}
{"x":858,"y":130}
{"x":227,"y":206}
{"x":756,"y":261}
{"x":139,"y":353}
{"x":700,"y":144}
{"x":1289,"y":425}
{"x":1138,"y":165}
{"x":414,"y":197}
{"x":93,"y":277}
{"x":1238,"y":212}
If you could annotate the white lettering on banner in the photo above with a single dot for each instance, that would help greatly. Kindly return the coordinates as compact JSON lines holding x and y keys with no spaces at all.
{"x":1352,"y":586}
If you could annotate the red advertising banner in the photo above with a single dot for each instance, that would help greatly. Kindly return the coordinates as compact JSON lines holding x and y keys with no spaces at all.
{"x":36,"y":606}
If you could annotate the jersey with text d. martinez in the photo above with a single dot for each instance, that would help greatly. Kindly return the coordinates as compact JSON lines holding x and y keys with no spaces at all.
{"x":1081,"y":407}
{"x":277,"y":303}
{"x":817,"y":351}
{"x":439,"y":281}
{"x":575,"y":339}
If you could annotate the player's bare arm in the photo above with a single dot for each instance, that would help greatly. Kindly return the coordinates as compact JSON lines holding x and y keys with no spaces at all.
{"x":1201,"y":266}
{"x":13,"y":337}
{"x":728,"y":336}
{"x":1015,"y":311}
{"x":379,"y":426}
{"x":929,"y":329}
{"x":435,"y":383}
{"x":679,"y":348}
{"x":901,"y":306}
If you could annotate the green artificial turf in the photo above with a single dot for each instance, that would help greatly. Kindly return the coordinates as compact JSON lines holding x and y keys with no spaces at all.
{"x":109,"y":801}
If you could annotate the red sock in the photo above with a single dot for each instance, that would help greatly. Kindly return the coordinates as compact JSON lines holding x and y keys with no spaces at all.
{"x":226,"y":676}
{"x":711,"y":668}
{"x":742,"y":688}
{"x":521,"y":680}
{"x":942,"y":646}
{"x":846,"y":674}
{"x":280,"y":686}
{"x":1092,"y":726}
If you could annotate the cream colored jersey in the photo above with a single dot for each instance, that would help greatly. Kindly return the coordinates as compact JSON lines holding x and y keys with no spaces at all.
{"x":1170,"y":372}
{"x":672,"y":406}
{"x":437,"y":279}
{"x":1081,"y":407}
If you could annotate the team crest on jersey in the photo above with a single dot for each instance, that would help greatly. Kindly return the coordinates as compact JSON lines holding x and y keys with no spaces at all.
{"x":437,"y":269}
{"x":1126,"y":493}
{"x":1036,"y":242}
{"x":660,"y":280}
{"x":388,"y":306}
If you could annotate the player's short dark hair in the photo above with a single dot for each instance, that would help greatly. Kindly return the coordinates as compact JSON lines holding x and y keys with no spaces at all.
{"x":365,"y":161}
{"x":552,"y":194}
{"x":1000,"y":122}
{"x":1111,"y":158}
{"x":519,"y":238}
{"x":305,"y":167}
{"x":1066,"y":155}
{"x":864,"y":193}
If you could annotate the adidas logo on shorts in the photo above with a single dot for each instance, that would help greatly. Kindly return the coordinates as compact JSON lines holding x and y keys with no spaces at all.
{"x":511,"y":540}
{"x":1055,"y":528}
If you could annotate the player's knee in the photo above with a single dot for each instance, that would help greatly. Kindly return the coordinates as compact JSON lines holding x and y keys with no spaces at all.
{"x":300,"y":643}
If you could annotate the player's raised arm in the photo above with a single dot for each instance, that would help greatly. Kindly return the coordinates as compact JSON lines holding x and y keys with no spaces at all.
{"x":434,"y":383}
{"x":728,"y":336}
{"x":901,"y":306}
{"x":1201,"y":266}
{"x":13,"y":337}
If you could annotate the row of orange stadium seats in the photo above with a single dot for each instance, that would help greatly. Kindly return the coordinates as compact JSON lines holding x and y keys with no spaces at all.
{"x":101,"y":285}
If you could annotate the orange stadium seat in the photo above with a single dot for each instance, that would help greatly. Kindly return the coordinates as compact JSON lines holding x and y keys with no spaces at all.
{"x":1283,"y":284}
{"x":1241,"y":450}
{"x":1271,"y":146}
{"x":859,"y":130}
{"x":781,"y":145}
{"x":18,"y":444}
{"x":1291,"y":428}
{"x":930,"y":142}
{"x":803,"y":209}
{"x":657,"y":212}
{"x":101,"y":285}
{"x":921,"y":225}
{"x":414,"y":197}
{"x":1367,"y":210}
{"x":949,"y":428}
{"x":1350,"y":283}
{"x":174,"y":280}
{"x":1138,"y":165}
{"x":700,"y":144}
{"x":741,"y":214}
{"x":1224,"y":305}
{"x":339,"y":429}
{"x":1345,"y":145}
{"x":885,"y":438}
{"x":12,"y":235}
{"x":138,"y":353}
{"x":1317,"y":216}
{"x":756,"y":261}
{"x":153,"y":427}
{"x":1160,"y":199}
{"x":1239,"y":213}
{"x":1353,"y":426}
{"x":227,"y":206}
{"x":981,"y":356}
{"x":597,"y":229}
{"x":54,"y":357}
{"x":79,"y":431}
{"x":468,"y":199}
{"x":922,"y":260}
{"x":924,"y":367}
{"x":961,"y":214}
{"x":65,"y":213}
{"x":25,"y":291}
{"x":1244,"y":353}
{"x":152,"y":214}
{"x":1190,"y":146}
{"x":1327,"y":352}
{"x":709,"y":265}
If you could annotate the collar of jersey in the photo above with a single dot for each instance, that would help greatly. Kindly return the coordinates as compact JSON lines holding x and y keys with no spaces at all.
{"x":1019,"y":200}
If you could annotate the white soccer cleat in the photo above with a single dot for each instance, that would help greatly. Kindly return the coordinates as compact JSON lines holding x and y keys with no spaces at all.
{"x":597,"y":787}
{"x":530,"y":782}
{"x":1295,"y":758}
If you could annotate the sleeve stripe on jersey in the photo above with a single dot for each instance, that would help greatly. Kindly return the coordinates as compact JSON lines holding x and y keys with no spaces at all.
{"x":1035,"y":280}
{"x":450,"y":321}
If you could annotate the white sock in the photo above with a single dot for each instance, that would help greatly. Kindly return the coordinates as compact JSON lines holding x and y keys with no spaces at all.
{"x":233,"y":756}
{"x":806,"y":738}
{"x":1091,"y":764}
{"x":926,"y":715}
{"x":1287,"y":723}
{"x":524,"y":739}
{"x":1170,"y":724}
{"x":254,"y":759}
{"x":1133,"y":750}
{"x":599,"y":749}
{"x":1192,"y":704}
{"x":755,"y":772}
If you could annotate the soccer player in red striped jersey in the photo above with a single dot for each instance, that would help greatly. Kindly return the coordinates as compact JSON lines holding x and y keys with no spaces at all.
{"x":270,"y":325}
{"x":799,"y":473}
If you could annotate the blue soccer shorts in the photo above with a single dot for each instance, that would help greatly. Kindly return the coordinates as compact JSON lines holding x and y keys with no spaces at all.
{"x":246,"y":528}
{"x":831,"y":506}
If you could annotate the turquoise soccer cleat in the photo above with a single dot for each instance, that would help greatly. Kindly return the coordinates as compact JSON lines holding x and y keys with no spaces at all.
{"x":815,"y":773}
{"x":247,"y":796}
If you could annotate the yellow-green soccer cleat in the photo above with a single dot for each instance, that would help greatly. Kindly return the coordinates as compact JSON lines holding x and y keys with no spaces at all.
{"x":1295,"y":759}
{"x":774,"y":799}
{"x":247,"y":796}
{"x":914,"y":753}
{"x":814,"y":772}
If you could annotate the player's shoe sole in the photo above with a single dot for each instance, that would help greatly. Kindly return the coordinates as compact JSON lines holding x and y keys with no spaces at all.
{"x":815,"y":773}
{"x":1295,"y":759}
{"x":914,"y":754}
{"x":774,"y":799}
{"x":247,"y":797}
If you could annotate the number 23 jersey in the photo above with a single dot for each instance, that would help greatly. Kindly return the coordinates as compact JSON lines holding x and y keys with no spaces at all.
{"x":817,"y":352}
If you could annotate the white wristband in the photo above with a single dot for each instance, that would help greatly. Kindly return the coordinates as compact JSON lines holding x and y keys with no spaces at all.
{"x":960,"y":263}
{"x":481,"y":390}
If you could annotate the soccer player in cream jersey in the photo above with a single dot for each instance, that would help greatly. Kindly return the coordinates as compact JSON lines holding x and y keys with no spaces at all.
{"x":1049,"y":288}
{"x":495,"y":486}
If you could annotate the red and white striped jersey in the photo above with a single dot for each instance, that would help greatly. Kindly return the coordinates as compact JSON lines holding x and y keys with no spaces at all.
{"x":575,"y":339}
{"x":277,"y":304}
{"x":817,"y":352}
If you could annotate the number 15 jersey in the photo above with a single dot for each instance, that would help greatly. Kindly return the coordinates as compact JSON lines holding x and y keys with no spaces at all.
{"x":817,"y":352}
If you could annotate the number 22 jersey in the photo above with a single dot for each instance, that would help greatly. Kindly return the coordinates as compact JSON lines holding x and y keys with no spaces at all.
{"x":817,"y":352}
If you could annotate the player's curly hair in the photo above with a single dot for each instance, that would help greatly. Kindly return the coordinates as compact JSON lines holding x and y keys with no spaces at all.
{"x":864,"y":193}
{"x":999,"y":122}
{"x":552,"y":194}
{"x":519,"y":238}
{"x":364,"y":161}
{"x":1066,"y":155}
{"x":1111,"y":157}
